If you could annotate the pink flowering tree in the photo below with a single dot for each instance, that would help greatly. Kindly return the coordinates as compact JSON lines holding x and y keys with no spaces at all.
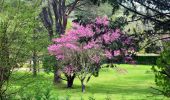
{"x":81,"y":49}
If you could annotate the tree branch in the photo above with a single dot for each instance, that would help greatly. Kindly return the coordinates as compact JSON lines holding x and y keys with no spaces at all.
{"x":148,"y":17}
{"x":71,"y":7}
{"x":154,"y":41}
{"x":161,"y":13}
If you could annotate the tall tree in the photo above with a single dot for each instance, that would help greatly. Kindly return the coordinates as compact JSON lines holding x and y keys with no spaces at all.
{"x":14,"y":29}
{"x":60,"y":9}
{"x":37,"y":40}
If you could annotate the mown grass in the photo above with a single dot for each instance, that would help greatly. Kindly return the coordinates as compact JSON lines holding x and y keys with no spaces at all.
{"x":133,"y":83}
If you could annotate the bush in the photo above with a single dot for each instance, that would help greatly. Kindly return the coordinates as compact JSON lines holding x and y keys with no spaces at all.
{"x":49,"y":62}
{"x":162,"y":73}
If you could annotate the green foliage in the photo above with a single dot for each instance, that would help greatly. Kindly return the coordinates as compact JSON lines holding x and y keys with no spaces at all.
{"x":91,"y":98}
{"x":113,"y":3}
{"x":162,"y":72}
{"x":119,"y":22}
{"x":28,"y":88}
{"x":89,"y":11}
{"x":108,"y":97}
{"x":17,"y":27}
{"x":49,"y":63}
{"x":39,"y":93}
{"x":153,"y":48}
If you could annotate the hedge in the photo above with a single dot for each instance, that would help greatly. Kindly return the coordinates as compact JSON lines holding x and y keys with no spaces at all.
{"x":147,"y":59}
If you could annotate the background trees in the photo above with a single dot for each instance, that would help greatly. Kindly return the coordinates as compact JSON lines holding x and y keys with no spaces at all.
{"x":155,"y":11}
{"x":89,"y":11}
{"x":15,"y":29}
{"x":37,"y":40}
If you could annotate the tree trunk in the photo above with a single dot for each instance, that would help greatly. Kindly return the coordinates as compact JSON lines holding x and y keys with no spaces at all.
{"x":38,"y":66}
{"x":57,"y":75}
{"x":34,"y":58}
{"x":70,"y":80}
{"x":61,"y":12}
{"x":30,"y":65}
{"x":82,"y":86}
{"x":70,"y":83}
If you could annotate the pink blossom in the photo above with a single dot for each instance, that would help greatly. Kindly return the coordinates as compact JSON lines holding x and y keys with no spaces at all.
{"x":55,"y":49}
{"x":98,"y":30}
{"x":116,"y":52}
{"x":105,"y":20}
{"x":69,"y":69}
{"x":115,"y":35}
{"x":111,"y":36}
{"x":127,"y":41}
{"x":128,"y":59}
{"x":91,"y":44}
{"x":102,"y":20}
{"x":66,"y":38}
{"x":96,"y":59}
{"x":108,"y":54}
{"x":72,"y":46}
{"x":81,"y":31}
{"x":60,"y":57}
{"x":106,"y":38}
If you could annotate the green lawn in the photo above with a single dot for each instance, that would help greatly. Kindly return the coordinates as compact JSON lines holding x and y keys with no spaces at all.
{"x":135,"y":84}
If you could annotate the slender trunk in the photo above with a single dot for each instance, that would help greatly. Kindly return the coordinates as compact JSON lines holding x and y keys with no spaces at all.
{"x":30,"y":65}
{"x":82,"y":86}
{"x":57,"y":75}
{"x":34,"y":63}
{"x":34,"y":56}
{"x":38,"y":65}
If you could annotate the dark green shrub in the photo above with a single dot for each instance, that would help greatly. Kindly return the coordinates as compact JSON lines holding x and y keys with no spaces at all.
{"x":49,"y":62}
{"x":162,"y":73}
{"x":146,"y":59}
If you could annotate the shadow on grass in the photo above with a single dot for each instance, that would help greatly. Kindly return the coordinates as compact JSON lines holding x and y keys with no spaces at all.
{"x":117,"y":89}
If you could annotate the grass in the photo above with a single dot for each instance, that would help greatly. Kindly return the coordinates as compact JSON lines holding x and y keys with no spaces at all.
{"x":135,"y":84}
